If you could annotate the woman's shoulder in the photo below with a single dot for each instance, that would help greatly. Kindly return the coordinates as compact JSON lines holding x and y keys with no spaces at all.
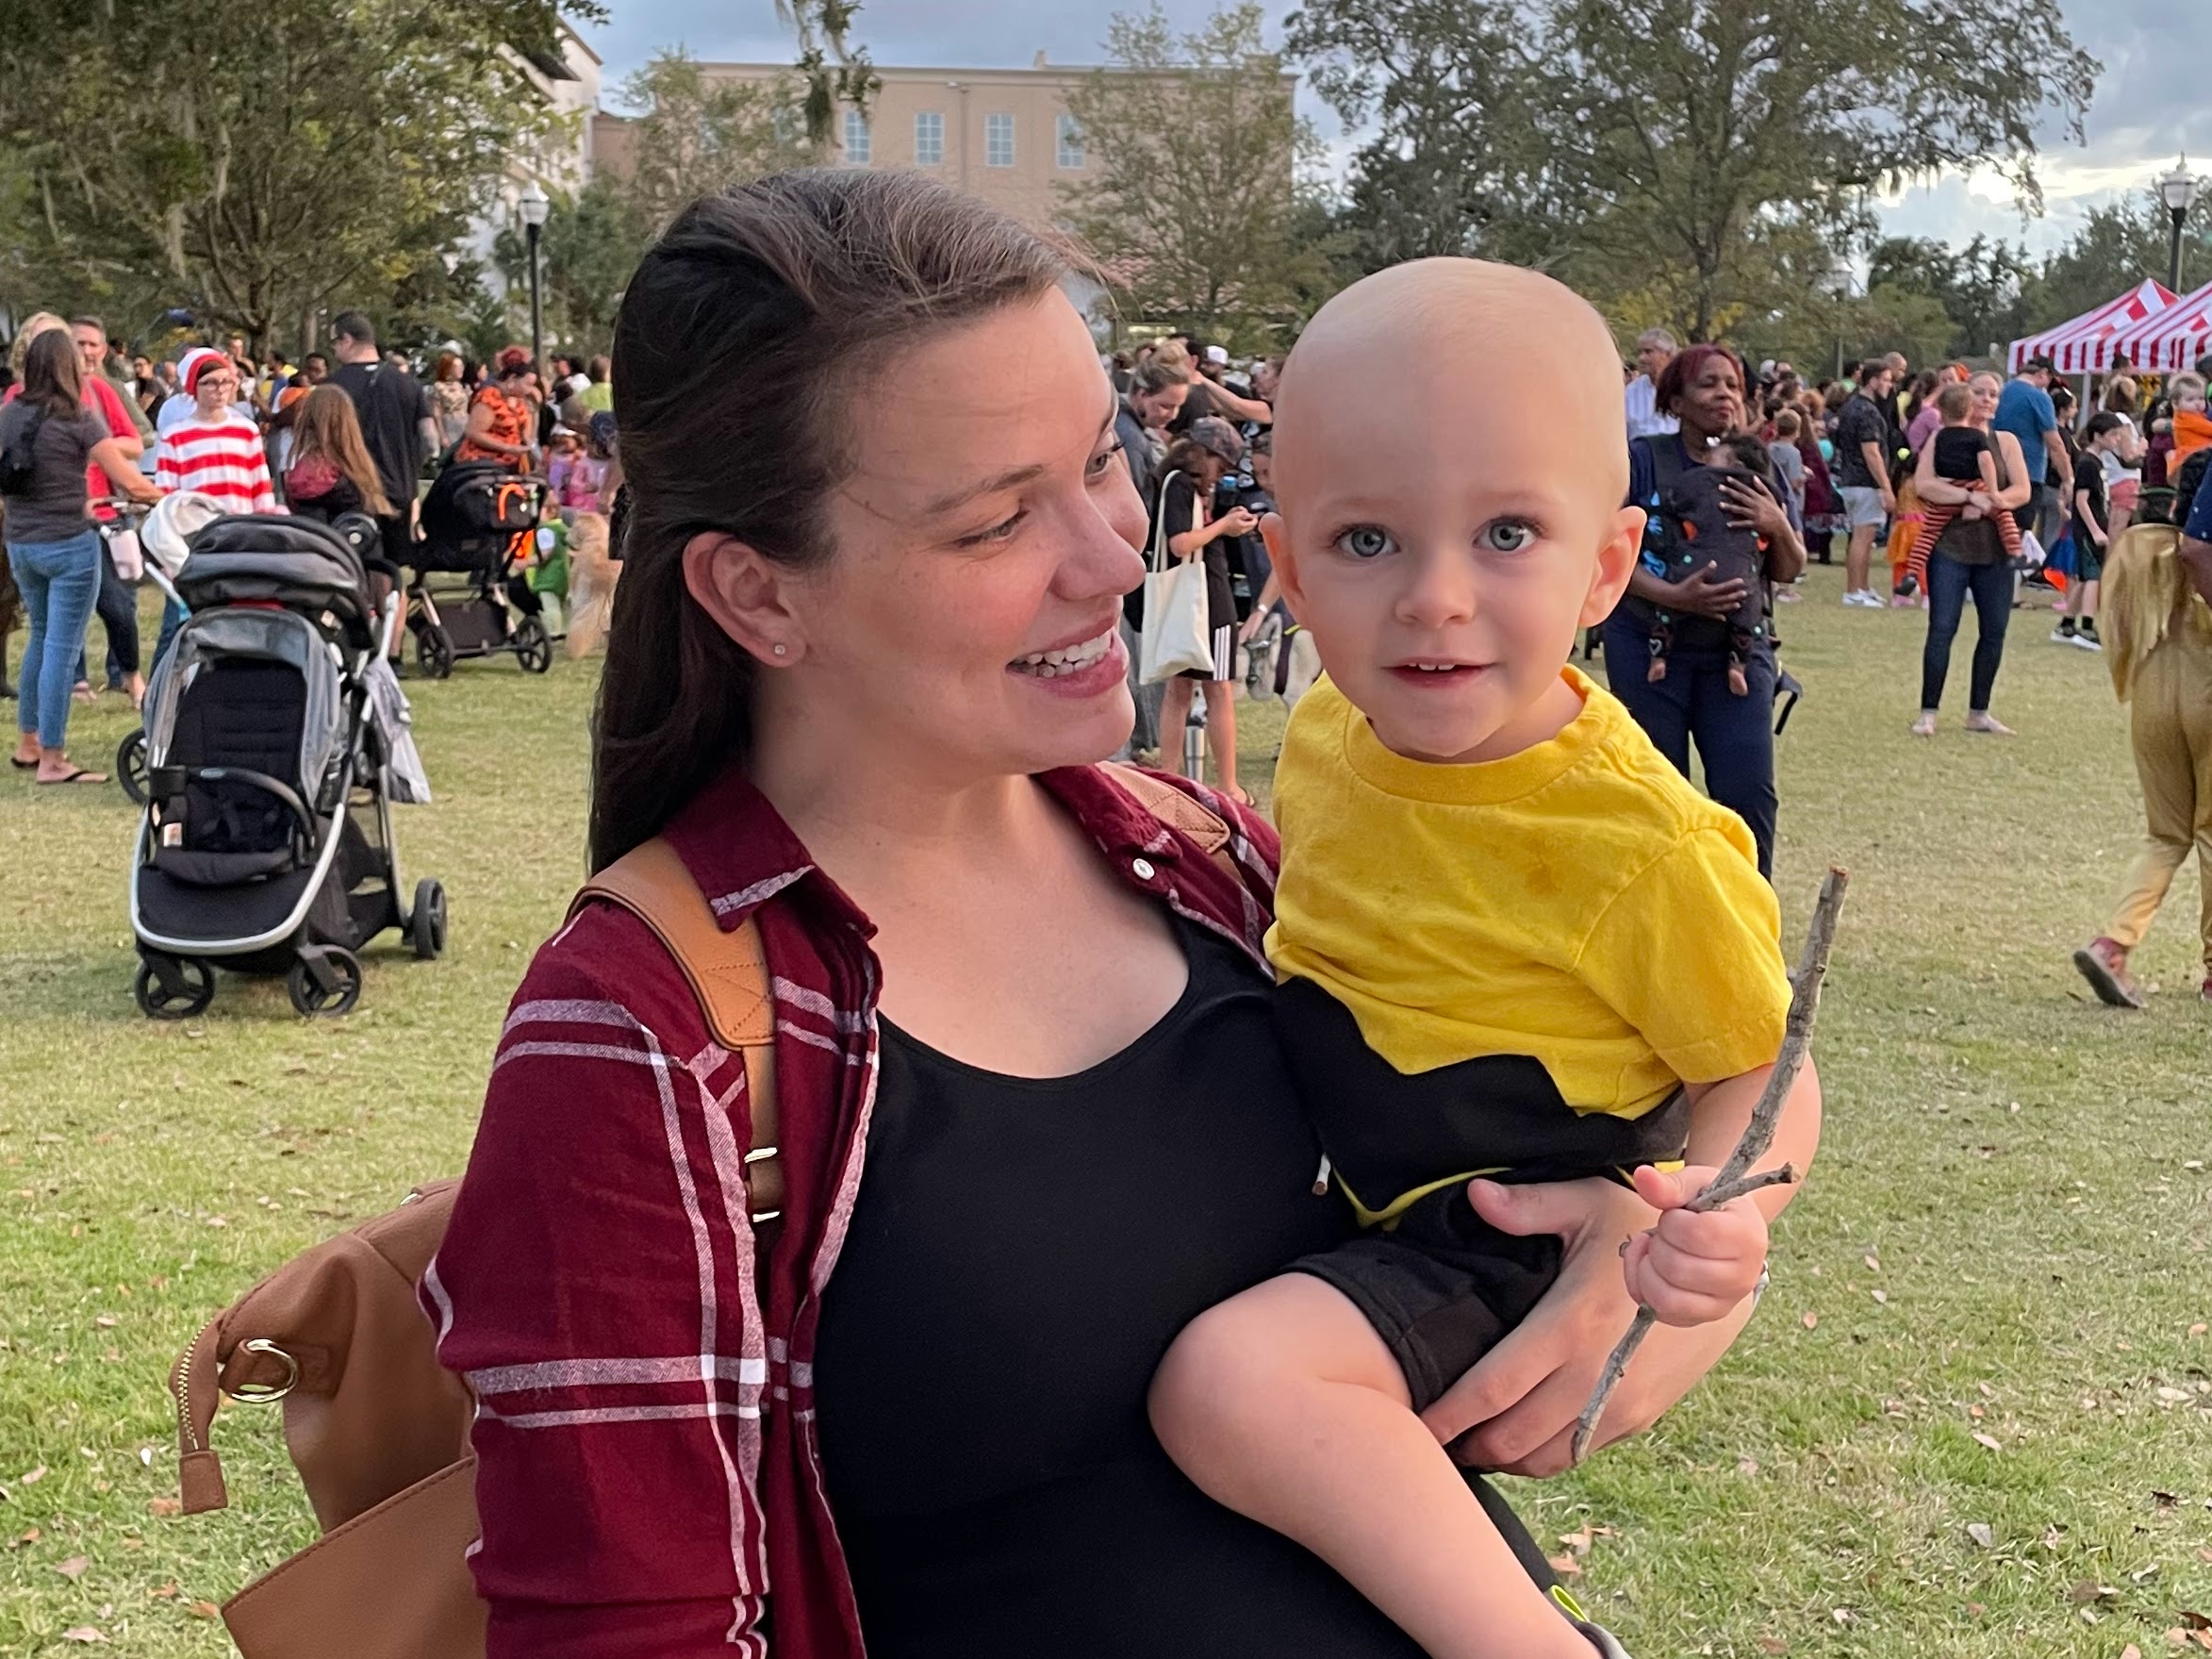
{"x":608,"y":967}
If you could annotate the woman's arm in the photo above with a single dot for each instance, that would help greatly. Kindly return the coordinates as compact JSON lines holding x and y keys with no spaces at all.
{"x":2017,"y":492}
{"x":108,"y":454}
{"x":481,"y":422}
{"x":1187,"y":543}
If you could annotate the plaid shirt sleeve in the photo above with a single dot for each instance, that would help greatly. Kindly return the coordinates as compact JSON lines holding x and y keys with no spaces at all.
{"x":596,"y":1289}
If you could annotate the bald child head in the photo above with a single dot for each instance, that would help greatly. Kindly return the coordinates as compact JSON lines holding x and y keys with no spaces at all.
{"x":1450,"y":462}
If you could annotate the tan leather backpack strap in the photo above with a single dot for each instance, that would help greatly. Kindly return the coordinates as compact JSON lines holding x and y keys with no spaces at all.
{"x":1178,"y":811}
{"x":729,"y":974}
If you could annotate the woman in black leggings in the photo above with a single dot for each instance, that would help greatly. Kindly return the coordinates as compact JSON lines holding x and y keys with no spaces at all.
{"x":1969,"y":557}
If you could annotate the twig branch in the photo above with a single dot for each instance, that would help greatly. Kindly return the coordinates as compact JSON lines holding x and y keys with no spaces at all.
{"x":1734,"y":1179}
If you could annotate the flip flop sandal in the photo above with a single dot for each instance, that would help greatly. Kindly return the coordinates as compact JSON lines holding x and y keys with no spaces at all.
{"x":22,"y":765}
{"x":77,"y":775}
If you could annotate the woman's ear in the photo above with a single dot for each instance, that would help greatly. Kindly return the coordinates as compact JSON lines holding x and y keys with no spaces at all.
{"x":1616,"y":563}
{"x":744,"y":593}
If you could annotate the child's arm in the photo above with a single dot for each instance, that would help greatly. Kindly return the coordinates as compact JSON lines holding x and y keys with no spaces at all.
{"x":1697,"y":1266}
{"x":2088,"y":515}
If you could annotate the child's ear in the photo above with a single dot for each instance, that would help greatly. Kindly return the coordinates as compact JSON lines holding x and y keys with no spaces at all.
{"x":1277,"y":536}
{"x":1616,"y":563}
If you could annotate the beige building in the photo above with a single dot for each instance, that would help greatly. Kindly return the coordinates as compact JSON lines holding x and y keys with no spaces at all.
{"x":1003,"y":133}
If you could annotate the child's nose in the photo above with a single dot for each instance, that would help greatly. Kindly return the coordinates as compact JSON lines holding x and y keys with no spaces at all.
{"x":1441,"y":589}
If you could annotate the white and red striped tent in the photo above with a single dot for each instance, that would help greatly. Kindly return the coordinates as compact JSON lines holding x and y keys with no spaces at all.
{"x":2173,"y":340}
{"x":2085,"y":345}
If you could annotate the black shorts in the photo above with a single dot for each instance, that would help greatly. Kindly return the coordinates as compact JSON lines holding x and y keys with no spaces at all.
{"x":1442,"y":1287}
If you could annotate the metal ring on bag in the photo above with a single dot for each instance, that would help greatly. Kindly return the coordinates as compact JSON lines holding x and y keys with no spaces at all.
{"x":260,"y":1393}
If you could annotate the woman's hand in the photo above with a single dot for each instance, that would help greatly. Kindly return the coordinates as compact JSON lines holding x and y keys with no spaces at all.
{"x":1237,"y":522}
{"x":1702,"y":593}
{"x":1519,"y":1404}
{"x":1752,"y":506}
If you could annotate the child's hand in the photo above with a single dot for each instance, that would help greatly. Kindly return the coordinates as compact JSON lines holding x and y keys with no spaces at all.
{"x":1971,"y":510}
{"x":1695,"y":1267}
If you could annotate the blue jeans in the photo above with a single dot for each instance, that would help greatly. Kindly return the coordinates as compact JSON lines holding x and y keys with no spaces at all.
{"x":1949,"y":583}
{"x":60,"y":581}
{"x":1735,"y":734}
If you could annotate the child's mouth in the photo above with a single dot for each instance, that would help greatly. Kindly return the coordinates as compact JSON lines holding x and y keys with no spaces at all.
{"x":1437,"y":674}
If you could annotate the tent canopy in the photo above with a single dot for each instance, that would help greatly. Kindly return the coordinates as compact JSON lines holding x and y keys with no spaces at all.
{"x":2171,"y":340}
{"x":2085,"y":345}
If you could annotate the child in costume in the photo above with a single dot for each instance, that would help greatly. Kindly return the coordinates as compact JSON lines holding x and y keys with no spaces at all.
{"x":1512,"y":942}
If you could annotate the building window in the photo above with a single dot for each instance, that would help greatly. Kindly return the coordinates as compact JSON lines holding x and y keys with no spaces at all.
{"x":998,"y":140}
{"x":1071,"y":142}
{"x":928,"y":139}
{"x":859,"y":146}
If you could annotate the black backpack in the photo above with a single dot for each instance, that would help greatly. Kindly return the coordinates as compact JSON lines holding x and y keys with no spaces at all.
{"x":18,"y":456}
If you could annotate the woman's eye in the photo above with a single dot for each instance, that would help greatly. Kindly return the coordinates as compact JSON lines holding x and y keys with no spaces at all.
{"x":1507,"y":536}
{"x":995,"y":533}
{"x":1104,"y":459}
{"x":1366,"y":541}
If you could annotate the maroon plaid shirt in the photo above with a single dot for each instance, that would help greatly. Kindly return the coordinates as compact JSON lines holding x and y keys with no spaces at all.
{"x":648,"y":1463}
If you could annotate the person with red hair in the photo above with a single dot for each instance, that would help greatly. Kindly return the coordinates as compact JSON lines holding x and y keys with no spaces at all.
{"x":502,"y":415}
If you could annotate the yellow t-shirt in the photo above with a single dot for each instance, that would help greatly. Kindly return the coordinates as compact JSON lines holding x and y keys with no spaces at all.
{"x":1578,"y":903}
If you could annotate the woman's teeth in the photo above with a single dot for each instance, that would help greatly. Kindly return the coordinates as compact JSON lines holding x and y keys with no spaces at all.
{"x":1049,"y":665}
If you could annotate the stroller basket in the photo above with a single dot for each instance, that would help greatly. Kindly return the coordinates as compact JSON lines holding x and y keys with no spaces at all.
{"x":472,"y":514}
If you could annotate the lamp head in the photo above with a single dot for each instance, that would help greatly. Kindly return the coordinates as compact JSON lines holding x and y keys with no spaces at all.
{"x":534,"y":204}
{"x":2178,"y":189}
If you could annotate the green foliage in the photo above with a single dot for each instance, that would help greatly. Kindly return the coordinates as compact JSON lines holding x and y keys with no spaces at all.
{"x":261,"y":162}
{"x":695,"y":135}
{"x":1194,"y":205}
{"x":589,"y":245}
{"x":832,"y":73}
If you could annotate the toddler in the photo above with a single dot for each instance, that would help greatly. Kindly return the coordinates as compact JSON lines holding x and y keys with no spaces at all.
{"x":1696,"y":502}
{"x":1512,"y":942}
{"x":1965,"y":457}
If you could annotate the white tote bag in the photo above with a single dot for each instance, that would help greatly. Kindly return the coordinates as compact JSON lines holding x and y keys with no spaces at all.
{"x":1176,"y":636}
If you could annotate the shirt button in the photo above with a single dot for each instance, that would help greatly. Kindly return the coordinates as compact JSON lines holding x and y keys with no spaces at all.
{"x":1142,"y":869}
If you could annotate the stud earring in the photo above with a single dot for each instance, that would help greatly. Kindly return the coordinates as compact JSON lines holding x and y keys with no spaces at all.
{"x":781,"y":650}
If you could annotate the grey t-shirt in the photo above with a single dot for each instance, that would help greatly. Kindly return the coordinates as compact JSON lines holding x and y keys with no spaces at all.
{"x":54,"y":507}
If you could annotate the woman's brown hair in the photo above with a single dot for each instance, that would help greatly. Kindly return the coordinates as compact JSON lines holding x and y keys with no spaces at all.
{"x":53,"y":375}
{"x":328,"y":427}
{"x":741,"y":335}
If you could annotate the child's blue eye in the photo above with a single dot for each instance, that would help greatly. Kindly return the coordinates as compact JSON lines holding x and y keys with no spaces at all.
{"x":1507,"y":535}
{"x":1366,"y":541}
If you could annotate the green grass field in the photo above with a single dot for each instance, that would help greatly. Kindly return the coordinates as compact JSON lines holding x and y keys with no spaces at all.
{"x":1974,"y":1418}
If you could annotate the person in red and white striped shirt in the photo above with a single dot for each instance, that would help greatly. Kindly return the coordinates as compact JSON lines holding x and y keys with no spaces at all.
{"x":215,"y":450}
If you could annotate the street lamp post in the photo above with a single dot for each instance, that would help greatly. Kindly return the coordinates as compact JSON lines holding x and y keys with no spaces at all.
{"x":2178,"y":191}
{"x":534,"y":207}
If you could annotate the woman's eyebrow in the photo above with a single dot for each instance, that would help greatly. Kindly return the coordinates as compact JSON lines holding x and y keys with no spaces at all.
{"x":1013,"y":478}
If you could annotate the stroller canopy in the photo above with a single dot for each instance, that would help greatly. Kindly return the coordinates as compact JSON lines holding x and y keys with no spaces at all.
{"x":265,"y":559}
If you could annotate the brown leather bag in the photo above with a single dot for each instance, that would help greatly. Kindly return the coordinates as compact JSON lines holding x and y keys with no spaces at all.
{"x":377,"y":1428}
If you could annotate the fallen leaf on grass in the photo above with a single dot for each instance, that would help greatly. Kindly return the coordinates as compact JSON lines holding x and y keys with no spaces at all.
{"x":1812,"y":1321}
{"x":2130,"y":1651}
{"x":2089,"y":1589}
{"x":2196,"y":1330}
{"x":74,"y":1567}
{"x":1566,"y":1566}
{"x":204,"y":1610}
{"x":2195,"y":1620}
{"x":32,"y":1477}
{"x":2174,"y":1396}
{"x":1774,"y":1645}
{"x":1979,"y":1532}
{"x":82,"y":1633}
{"x":30,"y":1537}
{"x":165,"y":1506}
{"x":1990,"y":1440}
{"x":162,"y":1592}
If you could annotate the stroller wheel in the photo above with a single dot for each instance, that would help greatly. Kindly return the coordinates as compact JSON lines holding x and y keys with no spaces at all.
{"x":434,"y":653}
{"x":130,"y":766}
{"x":533,"y":647}
{"x":173,"y":987}
{"x":426,"y":922}
{"x":334,"y":990}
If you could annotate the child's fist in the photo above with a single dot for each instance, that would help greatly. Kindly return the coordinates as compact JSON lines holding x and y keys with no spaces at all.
{"x":1695,"y":1266}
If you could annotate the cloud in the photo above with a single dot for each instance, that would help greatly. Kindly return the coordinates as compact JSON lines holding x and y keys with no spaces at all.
{"x":2148,"y":106}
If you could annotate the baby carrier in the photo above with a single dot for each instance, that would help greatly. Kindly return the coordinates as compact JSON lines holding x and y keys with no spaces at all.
{"x":1691,"y":509}
{"x":275,"y":743}
{"x":478,"y":519}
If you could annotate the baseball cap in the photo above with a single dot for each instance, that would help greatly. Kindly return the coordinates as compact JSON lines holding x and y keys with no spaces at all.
{"x":1215,"y":354}
{"x":2034,"y":363}
{"x":1213,"y":434}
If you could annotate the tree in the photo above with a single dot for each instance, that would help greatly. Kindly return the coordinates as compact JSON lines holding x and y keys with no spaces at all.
{"x":832,"y":70}
{"x":1667,"y":143}
{"x":1194,"y":200}
{"x":274,"y":158}
{"x":695,"y":135}
{"x":590,"y":244}
{"x":1980,"y":287}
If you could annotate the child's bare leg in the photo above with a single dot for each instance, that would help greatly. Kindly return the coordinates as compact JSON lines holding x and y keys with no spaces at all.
{"x":1285,"y":1406}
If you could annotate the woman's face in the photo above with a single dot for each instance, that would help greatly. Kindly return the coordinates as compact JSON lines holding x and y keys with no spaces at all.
{"x":1987,"y":390}
{"x":967,"y":616}
{"x":1712,"y":403}
{"x":1156,"y":408}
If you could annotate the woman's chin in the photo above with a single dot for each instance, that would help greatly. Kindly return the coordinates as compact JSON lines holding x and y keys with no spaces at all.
{"x":1075,"y":733}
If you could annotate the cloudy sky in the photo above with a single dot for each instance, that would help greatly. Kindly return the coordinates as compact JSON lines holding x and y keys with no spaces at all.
{"x":2154,"y":100}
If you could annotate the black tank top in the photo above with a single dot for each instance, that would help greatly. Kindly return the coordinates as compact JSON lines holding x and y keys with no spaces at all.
{"x":1022,"y":1253}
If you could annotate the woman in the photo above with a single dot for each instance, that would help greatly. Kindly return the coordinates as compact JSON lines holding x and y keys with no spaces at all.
{"x":1194,"y":464}
{"x":53,"y":551}
{"x":995,"y":978}
{"x":1970,"y":559}
{"x":331,"y":473}
{"x":1703,"y":388}
{"x":504,"y":415}
{"x":449,"y":399}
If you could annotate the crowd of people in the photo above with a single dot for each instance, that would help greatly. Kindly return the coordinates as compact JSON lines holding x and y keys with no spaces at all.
{"x":350,"y":430}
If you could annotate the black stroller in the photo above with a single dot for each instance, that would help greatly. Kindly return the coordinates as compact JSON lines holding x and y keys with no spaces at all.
{"x":272,"y":757}
{"x":477,"y":520}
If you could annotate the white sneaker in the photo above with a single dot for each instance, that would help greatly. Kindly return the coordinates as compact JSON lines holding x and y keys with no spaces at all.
{"x":1864,"y":600}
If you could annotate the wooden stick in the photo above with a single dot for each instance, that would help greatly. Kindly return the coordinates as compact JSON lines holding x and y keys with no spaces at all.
{"x":1734,"y":1179}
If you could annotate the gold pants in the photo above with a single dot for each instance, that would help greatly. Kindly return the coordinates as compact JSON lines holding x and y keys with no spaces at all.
{"x":2172,"y":730}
